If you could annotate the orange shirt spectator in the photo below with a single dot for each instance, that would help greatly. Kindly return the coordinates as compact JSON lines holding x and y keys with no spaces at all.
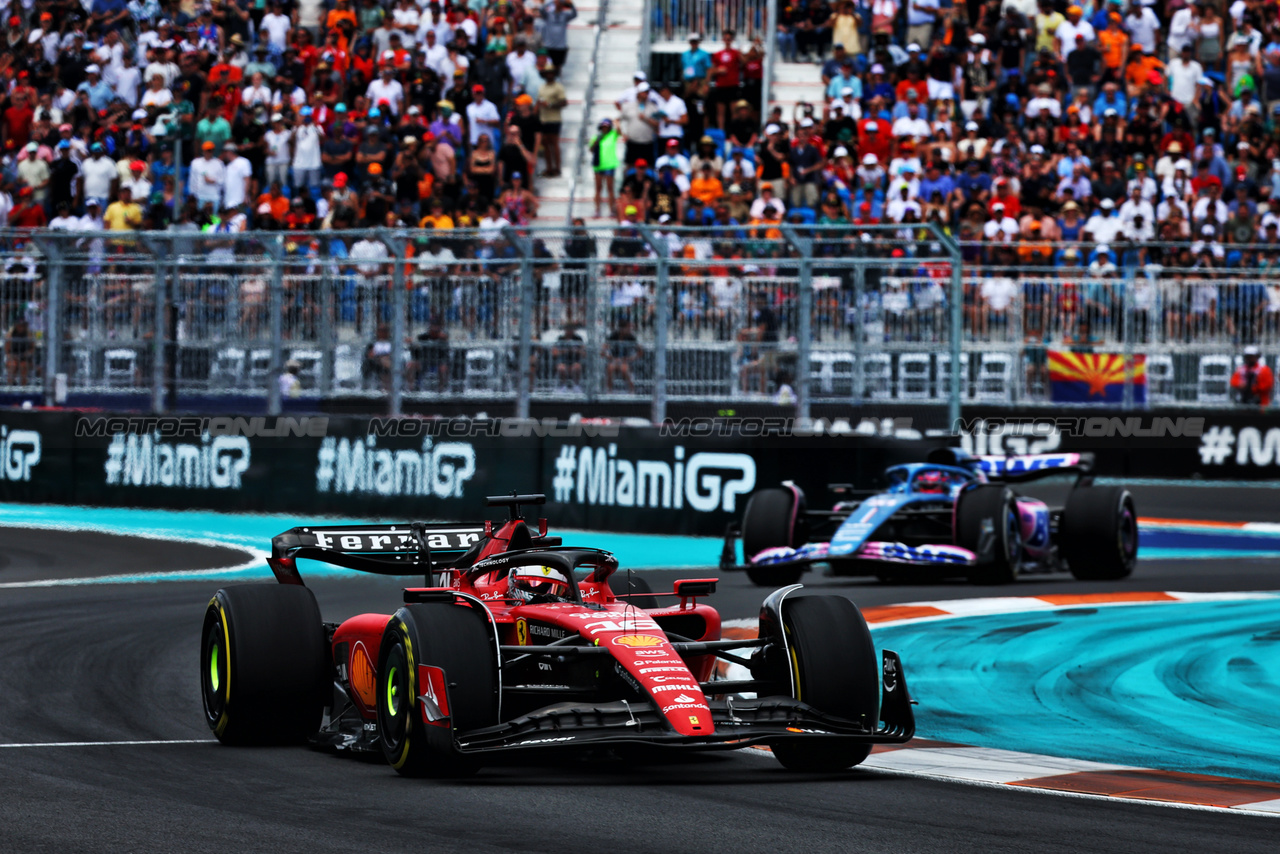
{"x":442,"y":221}
{"x":707,"y":187}
{"x":425,"y":183}
{"x":920,"y":86}
{"x":1114,"y":44}
{"x":279,"y":205}
{"x":335,"y":16}
{"x":1138,"y":73}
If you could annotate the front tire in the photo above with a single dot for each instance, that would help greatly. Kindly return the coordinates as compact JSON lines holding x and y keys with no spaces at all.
{"x":263,"y":664}
{"x":834,"y":670}
{"x":987,"y":524}
{"x":772,"y":519}
{"x":1098,"y":535}
{"x":456,"y":639}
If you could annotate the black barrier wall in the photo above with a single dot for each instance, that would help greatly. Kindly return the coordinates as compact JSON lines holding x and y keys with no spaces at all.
{"x":642,"y":480}
{"x":622,"y":479}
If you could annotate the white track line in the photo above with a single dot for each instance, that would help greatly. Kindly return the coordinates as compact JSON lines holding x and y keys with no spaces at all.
{"x":112,"y":743}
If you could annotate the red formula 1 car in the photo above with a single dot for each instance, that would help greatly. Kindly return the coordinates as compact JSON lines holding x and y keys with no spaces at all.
{"x":522,"y":643}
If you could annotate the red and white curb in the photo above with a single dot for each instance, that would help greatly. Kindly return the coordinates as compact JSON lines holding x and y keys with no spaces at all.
{"x":1078,"y":778}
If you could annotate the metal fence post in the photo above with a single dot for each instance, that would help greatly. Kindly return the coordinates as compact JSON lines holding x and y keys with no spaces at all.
{"x":1126,"y":318}
{"x":804,"y":305}
{"x":162,"y":260}
{"x":395,"y":241}
{"x":957,"y":321}
{"x":646,"y":36}
{"x":524,"y":247}
{"x":859,"y":332}
{"x":594,"y":323}
{"x":770,"y":54}
{"x":327,"y":311}
{"x":661,"y":321}
{"x":275,"y":247}
{"x":52,"y":250}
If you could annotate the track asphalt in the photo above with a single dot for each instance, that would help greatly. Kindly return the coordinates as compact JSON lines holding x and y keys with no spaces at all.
{"x":117,"y":663}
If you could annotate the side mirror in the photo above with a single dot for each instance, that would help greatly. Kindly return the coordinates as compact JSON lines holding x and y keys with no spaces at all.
{"x":688,"y":588}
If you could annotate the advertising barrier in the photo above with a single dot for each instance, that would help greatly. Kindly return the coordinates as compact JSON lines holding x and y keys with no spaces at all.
{"x":1169,"y":444}
{"x":643,"y":480}
{"x":595,"y":476}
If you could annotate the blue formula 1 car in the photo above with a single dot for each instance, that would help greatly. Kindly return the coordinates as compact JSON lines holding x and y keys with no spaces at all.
{"x":955,"y":514}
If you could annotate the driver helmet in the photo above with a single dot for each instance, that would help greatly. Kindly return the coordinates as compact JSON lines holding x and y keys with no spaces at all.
{"x":931,"y":481}
{"x":530,"y":583}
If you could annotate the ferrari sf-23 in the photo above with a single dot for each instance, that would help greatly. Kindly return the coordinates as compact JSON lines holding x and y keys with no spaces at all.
{"x":955,"y":514}
{"x":518,"y":642}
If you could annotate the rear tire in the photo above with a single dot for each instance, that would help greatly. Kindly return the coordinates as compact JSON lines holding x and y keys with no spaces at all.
{"x":767,"y":524}
{"x":1098,"y":534}
{"x":456,"y":639}
{"x":987,"y":524}
{"x":264,"y":665}
{"x":835,"y":671}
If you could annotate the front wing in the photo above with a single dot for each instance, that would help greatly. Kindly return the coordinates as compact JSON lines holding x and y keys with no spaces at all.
{"x":738,"y":722}
{"x":870,"y":552}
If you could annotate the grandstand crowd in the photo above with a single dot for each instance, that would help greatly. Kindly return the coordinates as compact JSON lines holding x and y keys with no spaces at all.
{"x":1105,"y":126}
{"x":229,"y":115}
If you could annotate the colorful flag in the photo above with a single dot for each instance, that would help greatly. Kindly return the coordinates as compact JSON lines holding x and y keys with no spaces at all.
{"x":1094,"y":377}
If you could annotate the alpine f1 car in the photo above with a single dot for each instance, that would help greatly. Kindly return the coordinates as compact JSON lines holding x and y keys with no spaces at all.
{"x":955,"y":514}
{"x":518,"y":642}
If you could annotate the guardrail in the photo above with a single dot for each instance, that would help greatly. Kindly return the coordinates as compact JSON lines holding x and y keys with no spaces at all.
{"x":676,"y":20}
{"x":747,"y":313}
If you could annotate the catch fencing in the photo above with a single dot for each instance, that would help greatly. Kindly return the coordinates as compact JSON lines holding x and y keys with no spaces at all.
{"x":803,"y":315}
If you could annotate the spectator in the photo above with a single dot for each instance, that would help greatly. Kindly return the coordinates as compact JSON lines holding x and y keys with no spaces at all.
{"x":726,"y":77}
{"x":124,"y":214}
{"x":305,"y":142}
{"x":639,"y":125}
{"x":19,"y":353}
{"x":621,"y":352}
{"x":1252,"y":382}
{"x":208,"y":174}
{"x":552,"y":99}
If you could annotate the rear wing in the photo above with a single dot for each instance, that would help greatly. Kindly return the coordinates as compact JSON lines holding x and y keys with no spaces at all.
{"x":1033,"y":466}
{"x":410,"y":548}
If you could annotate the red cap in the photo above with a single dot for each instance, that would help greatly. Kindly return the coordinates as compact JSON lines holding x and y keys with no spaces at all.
{"x":477,"y":88}
{"x":641,"y":163}
{"x":15,"y":21}
{"x":1242,"y":171}
{"x":866,"y":207}
{"x":673,"y":143}
{"x":137,"y":166}
{"x":340,"y":180}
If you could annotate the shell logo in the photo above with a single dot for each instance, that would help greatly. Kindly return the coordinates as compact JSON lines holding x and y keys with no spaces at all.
{"x":638,"y":641}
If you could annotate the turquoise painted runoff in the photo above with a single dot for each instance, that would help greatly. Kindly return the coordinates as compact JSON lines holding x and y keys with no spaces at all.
{"x":1179,"y":686}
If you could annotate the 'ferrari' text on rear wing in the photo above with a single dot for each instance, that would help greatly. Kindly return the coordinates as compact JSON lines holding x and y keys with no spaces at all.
{"x":404,"y":549}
